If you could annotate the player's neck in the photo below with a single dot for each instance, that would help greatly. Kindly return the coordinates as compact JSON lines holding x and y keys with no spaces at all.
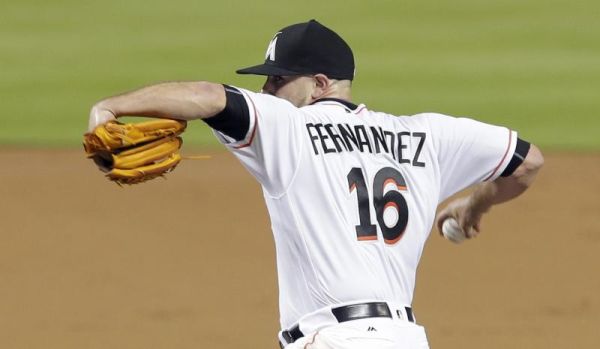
{"x":335,"y":91}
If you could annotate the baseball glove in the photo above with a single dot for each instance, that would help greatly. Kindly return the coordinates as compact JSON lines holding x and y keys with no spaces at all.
{"x":135,"y":152}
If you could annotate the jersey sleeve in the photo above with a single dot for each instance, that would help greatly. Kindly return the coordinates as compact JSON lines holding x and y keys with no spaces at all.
{"x":469,"y":151}
{"x":271,"y":146}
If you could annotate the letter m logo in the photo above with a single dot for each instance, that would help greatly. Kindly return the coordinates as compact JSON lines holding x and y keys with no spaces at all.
{"x":270,"y":55}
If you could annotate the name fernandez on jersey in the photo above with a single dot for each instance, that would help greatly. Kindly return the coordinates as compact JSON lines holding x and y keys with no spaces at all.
{"x":336,"y":138}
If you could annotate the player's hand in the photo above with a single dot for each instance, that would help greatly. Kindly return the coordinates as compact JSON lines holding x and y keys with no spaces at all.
{"x":99,"y":116}
{"x":468,"y":218}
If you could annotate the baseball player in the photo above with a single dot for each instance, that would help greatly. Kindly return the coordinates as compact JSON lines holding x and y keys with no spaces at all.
{"x":352,"y":193}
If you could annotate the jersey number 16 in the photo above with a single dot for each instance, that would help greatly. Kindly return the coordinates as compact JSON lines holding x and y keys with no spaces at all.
{"x":382,"y":201}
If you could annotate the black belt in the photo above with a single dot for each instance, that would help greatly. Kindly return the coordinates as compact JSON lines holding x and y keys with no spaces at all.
{"x":349,"y":313}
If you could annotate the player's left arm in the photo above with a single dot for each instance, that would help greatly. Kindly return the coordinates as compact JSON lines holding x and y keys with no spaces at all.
{"x":469,"y":210}
{"x":174,"y":100}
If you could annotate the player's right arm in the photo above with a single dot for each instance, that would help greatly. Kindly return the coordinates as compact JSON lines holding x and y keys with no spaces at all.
{"x":174,"y":100}
{"x":469,"y":210}
{"x":470,"y":152}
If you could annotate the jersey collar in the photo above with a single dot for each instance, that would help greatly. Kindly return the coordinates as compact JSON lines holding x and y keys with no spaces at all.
{"x":347,"y":104}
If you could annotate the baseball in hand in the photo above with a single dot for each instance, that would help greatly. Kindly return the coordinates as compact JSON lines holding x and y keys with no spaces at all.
{"x":452,"y":231}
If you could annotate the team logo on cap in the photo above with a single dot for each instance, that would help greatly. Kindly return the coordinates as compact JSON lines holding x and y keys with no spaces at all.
{"x":270,"y":55}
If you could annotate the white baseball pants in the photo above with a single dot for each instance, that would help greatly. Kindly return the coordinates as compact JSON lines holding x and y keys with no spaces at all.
{"x":370,"y":333}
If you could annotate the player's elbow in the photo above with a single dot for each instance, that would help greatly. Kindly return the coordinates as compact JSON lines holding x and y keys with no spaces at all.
{"x":210,"y":98}
{"x":534,"y":159}
{"x":528,"y":170}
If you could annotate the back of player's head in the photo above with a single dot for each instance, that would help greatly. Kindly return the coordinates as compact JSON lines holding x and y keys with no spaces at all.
{"x":306,"y":48}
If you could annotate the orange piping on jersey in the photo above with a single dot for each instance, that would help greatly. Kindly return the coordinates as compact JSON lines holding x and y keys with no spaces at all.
{"x":312,"y":341}
{"x":504,"y":157}
{"x":253,"y":129}
{"x":367,"y":238}
{"x":360,"y":109}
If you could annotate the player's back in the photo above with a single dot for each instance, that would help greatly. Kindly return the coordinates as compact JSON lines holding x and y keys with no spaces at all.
{"x":352,"y":193}
{"x":352,"y":223}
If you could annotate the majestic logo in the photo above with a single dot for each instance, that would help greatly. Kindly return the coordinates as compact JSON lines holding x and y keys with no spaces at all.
{"x":270,"y":55}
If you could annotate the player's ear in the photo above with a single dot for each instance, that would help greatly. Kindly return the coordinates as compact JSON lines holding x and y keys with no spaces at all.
{"x":321,"y":84}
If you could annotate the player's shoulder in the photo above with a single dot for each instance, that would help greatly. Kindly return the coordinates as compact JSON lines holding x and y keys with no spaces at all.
{"x":441,"y":121}
{"x":330,"y":110}
{"x":426,"y":119}
{"x":418,"y":116}
{"x":433,"y":117}
{"x":265,"y":99}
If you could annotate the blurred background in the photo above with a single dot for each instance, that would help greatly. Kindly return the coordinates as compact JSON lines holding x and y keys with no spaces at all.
{"x":189,"y":262}
{"x":529,"y":64}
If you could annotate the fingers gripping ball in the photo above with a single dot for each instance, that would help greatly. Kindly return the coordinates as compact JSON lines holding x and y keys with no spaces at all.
{"x":452,"y":231}
{"x":135,"y":153}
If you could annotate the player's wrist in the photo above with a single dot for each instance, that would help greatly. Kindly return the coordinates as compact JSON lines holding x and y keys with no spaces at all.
{"x":481,"y":200}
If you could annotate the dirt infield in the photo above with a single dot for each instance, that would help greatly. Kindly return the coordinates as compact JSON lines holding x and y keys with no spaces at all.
{"x":189,"y":262}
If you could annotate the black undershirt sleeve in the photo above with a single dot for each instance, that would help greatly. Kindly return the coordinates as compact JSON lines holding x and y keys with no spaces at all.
{"x":521,"y":151}
{"x":234,"y":120}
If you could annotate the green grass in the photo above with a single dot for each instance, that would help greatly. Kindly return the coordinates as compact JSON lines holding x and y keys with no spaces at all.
{"x":533,"y":66}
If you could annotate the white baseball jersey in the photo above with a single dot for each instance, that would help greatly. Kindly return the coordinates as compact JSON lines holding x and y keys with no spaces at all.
{"x":352,"y":193}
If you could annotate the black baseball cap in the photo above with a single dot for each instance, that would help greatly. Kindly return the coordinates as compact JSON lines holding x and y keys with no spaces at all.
{"x":306,"y":48}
